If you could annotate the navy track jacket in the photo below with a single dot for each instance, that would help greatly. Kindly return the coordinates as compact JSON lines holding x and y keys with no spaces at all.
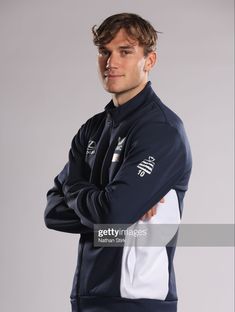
{"x":121,"y":163}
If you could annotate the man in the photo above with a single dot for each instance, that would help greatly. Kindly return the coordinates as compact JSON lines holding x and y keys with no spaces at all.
{"x":121,"y":163}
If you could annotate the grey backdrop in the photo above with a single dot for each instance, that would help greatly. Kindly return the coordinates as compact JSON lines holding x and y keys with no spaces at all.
{"x":49,"y":87}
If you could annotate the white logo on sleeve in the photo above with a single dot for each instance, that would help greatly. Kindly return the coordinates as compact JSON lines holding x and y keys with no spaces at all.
{"x":146,"y":166}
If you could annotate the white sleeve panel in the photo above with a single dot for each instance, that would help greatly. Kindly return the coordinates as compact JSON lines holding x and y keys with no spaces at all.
{"x":144,"y":272}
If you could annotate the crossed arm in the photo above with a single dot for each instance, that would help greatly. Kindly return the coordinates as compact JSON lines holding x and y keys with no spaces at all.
{"x":74,"y":205}
{"x":59,"y":216}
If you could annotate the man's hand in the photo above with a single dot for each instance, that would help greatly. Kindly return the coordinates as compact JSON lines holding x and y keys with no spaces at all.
{"x":152,"y":212}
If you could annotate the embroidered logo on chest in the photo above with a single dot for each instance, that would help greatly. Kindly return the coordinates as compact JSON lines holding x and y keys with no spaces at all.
{"x":91,"y":148}
{"x":118,"y":149}
{"x":146,"y":166}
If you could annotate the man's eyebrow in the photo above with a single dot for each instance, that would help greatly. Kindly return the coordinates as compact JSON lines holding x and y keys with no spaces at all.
{"x":120,"y":47}
{"x":131,"y":47}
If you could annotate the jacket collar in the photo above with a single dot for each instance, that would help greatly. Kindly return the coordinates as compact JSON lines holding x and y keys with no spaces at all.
{"x":117,"y":114}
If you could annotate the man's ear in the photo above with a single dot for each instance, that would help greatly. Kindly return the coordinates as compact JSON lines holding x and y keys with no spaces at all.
{"x":150,"y":61}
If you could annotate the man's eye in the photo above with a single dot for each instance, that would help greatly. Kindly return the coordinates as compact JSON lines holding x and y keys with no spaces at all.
{"x":103,"y":53}
{"x":125,"y":52}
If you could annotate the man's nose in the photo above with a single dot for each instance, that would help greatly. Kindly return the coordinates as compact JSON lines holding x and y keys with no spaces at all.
{"x":112,"y":61}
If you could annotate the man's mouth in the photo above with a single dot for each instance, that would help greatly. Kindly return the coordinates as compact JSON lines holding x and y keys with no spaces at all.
{"x":112,"y":75}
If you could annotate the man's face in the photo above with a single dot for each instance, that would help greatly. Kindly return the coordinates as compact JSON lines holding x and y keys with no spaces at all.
{"x":122,"y":66}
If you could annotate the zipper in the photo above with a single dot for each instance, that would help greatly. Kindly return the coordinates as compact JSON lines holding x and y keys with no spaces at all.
{"x":110,"y":126}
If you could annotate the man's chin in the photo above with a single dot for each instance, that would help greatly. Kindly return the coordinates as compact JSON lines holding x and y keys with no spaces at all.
{"x":112,"y":89}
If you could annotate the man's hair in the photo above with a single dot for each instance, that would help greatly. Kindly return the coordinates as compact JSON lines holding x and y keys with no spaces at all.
{"x":135,"y":26}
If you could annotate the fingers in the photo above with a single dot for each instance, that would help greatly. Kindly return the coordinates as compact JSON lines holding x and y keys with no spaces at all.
{"x":152,"y":212}
{"x":148,"y":215}
{"x":162,"y":200}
